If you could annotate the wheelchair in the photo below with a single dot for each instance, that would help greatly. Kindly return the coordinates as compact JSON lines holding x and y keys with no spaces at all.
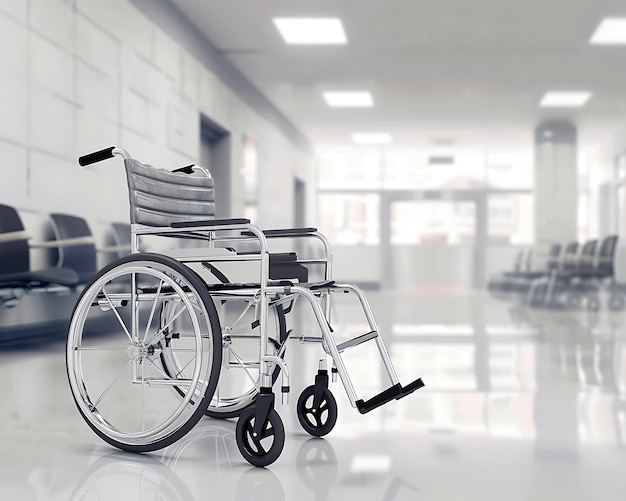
{"x":184,"y":341}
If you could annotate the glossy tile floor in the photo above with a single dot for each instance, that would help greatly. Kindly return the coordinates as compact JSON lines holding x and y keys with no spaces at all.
{"x":519,"y":405}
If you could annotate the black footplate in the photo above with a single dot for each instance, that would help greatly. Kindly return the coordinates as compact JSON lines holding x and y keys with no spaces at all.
{"x":396,"y":392}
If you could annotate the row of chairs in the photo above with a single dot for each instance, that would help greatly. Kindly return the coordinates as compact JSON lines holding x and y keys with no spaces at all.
{"x":72,"y":242}
{"x":573,"y":277}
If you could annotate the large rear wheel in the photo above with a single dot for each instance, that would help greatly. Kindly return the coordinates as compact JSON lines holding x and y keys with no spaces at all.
{"x":153,"y":307}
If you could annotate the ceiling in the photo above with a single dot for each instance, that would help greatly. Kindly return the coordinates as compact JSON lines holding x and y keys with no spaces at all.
{"x":468,"y":71}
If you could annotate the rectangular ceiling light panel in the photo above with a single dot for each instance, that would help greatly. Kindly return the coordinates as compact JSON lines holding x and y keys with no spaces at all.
{"x":311,"y":31}
{"x":610,"y":31}
{"x":565,"y":99}
{"x":371,"y":138}
{"x":349,"y":99}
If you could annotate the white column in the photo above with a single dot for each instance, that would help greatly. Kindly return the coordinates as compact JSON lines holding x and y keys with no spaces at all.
{"x":556,"y":187}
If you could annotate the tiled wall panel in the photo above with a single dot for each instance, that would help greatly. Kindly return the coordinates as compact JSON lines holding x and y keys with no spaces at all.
{"x":14,"y":8}
{"x":13,"y":108}
{"x":51,"y":124}
{"x":96,"y":47}
{"x":13,"y":185}
{"x":82,"y":75}
{"x":51,"y":67}
{"x":54,"y":19}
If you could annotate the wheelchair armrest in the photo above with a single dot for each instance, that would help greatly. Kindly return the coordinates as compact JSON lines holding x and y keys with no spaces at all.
{"x":287,"y":232}
{"x":209,"y":222}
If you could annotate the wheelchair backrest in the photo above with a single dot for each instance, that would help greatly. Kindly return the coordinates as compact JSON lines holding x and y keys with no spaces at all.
{"x":159,"y":197}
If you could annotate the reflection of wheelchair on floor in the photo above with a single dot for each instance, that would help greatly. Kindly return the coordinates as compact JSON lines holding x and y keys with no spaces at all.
{"x":191,"y":342}
{"x":116,"y":475}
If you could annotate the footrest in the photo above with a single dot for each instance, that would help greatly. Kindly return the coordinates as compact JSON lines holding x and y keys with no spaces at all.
{"x":396,"y":392}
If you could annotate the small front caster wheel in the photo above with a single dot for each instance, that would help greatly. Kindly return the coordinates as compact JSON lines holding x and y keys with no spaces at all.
{"x":317,"y":421}
{"x":265,"y":448}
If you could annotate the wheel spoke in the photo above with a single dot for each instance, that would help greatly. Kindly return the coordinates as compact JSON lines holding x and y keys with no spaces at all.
{"x":240,"y":362}
{"x":98,"y":348}
{"x":156,"y":297}
{"x":112,"y":383}
{"x":249,"y":427}
{"x":158,"y":368}
{"x":178,"y":314}
{"x":186,"y":365}
{"x":119,"y":319}
{"x":143,"y":395}
{"x":261,"y":450}
{"x":318,"y":421}
{"x":267,"y":432}
{"x":243,"y":313}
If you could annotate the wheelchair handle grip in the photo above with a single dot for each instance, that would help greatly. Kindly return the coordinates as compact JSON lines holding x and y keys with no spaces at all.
{"x":96,"y":156}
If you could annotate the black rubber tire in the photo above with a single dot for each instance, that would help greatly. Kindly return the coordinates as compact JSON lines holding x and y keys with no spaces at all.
{"x":200,"y":287}
{"x":251,"y":449}
{"x":313,"y":420}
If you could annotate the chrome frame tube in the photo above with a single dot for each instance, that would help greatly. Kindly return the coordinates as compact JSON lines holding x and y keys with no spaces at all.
{"x":326,"y":335}
{"x":374,"y":327}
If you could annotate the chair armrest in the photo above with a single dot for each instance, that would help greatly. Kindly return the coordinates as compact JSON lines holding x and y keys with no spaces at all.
{"x":66,"y":242}
{"x":209,"y":222}
{"x":286,"y":232}
{"x":11,"y":236}
{"x":114,"y":248}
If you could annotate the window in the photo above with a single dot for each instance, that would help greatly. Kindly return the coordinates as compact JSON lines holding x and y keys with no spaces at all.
{"x":432,"y":223}
{"x":511,"y":219}
{"x":249,"y":170}
{"x":350,"y":218}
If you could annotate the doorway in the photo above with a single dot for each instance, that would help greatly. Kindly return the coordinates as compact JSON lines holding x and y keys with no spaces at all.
{"x":215,"y":155}
{"x":299,"y":192}
{"x":436,"y":239}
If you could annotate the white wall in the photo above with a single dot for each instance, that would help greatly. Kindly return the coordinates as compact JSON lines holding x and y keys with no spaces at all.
{"x":81,"y":75}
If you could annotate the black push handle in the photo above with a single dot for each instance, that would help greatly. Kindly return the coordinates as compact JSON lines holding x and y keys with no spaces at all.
{"x":188,"y":169}
{"x":96,"y":156}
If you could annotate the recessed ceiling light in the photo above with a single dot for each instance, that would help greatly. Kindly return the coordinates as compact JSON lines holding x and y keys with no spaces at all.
{"x":371,"y":138}
{"x":610,"y":31}
{"x":565,"y":99}
{"x":316,"y":31}
{"x":444,"y":141}
{"x":349,"y":99}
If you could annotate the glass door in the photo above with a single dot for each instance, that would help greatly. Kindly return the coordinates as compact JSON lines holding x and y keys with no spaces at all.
{"x":434,"y":240}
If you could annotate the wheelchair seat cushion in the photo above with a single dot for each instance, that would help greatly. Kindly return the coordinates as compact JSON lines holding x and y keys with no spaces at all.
{"x":283,"y":266}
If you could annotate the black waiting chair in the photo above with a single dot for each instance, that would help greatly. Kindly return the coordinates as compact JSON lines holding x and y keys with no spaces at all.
{"x":75,"y":245}
{"x":121,"y":237}
{"x":16,"y":277}
{"x":539,"y":291}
